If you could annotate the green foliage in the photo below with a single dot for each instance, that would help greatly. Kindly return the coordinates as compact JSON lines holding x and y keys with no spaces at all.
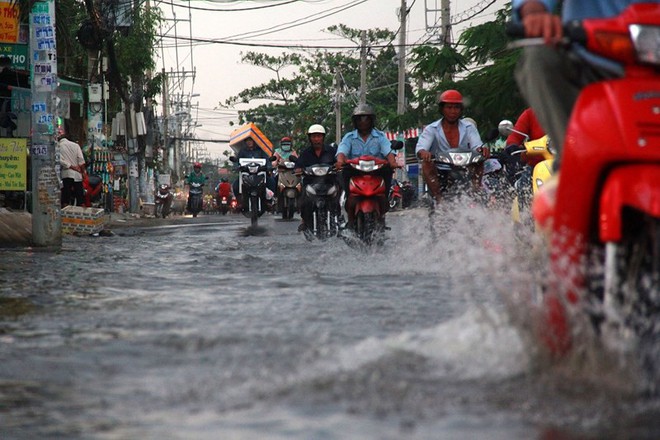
{"x":480,"y":66}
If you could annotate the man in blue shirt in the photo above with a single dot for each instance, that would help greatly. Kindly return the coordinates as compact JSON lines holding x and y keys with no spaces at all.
{"x":548,"y":79}
{"x":365,"y":139}
{"x":450,"y":131}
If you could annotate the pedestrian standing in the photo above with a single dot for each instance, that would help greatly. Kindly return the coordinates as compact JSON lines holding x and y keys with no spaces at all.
{"x":72,"y":163}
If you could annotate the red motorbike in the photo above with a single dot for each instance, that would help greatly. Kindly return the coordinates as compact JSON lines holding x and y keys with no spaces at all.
{"x":367,"y":194}
{"x":395,"y":198}
{"x":602,"y":215}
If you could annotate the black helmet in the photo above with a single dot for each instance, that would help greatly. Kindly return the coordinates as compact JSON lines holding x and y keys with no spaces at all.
{"x":363,"y":110}
{"x":224,"y":179}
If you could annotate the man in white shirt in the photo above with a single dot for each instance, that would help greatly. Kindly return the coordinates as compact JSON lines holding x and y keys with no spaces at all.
{"x":72,"y":163}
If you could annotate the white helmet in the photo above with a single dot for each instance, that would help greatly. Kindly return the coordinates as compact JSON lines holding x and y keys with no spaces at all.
{"x":316,"y":128}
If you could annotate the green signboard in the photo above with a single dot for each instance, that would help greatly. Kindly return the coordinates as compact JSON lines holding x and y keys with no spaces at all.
{"x":18,"y":54}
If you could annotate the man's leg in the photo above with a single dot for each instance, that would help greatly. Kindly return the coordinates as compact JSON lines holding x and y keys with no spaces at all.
{"x":550,"y":83}
{"x":431,"y":178}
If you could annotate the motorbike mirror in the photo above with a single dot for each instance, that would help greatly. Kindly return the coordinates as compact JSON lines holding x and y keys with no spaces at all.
{"x":272,"y":158}
{"x":505,"y":127}
{"x":233,"y":159}
{"x":396,"y":145}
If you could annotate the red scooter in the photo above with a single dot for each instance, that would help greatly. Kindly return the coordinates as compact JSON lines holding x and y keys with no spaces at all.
{"x":602,"y":216}
{"x":367,"y":195}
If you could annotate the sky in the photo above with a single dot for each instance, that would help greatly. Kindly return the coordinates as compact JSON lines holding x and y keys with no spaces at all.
{"x":258,"y":24}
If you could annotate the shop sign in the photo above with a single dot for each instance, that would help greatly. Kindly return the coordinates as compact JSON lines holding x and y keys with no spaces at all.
{"x":13,"y":164}
{"x":8,"y":22}
{"x":18,"y":53}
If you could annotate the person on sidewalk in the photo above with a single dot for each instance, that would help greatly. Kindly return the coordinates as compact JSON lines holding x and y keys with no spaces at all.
{"x":72,"y":163}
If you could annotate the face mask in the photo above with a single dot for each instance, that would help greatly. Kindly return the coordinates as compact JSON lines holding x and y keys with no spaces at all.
{"x":286,"y":147}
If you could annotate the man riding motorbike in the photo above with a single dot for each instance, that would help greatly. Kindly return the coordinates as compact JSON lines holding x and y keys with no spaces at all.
{"x":250,"y":150}
{"x":365,"y":139}
{"x":195,"y":177}
{"x":450,"y":131}
{"x":316,"y":153}
{"x":549,"y":80}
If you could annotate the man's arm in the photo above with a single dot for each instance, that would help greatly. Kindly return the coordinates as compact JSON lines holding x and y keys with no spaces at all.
{"x":424,"y":143}
{"x":538,"y":20}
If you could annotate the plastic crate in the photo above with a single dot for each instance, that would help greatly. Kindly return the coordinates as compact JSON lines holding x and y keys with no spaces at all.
{"x":79,"y":220}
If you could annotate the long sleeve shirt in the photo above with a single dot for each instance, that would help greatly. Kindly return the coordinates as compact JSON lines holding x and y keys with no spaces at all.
{"x":433,"y":137}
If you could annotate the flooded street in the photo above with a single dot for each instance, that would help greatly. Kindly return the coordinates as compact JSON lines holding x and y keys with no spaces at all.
{"x":195,"y":330}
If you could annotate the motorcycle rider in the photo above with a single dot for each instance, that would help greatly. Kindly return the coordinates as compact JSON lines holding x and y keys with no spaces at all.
{"x":196,"y":176}
{"x":317,"y":153}
{"x":450,"y":131}
{"x":285,"y":152}
{"x":549,"y":80}
{"x":365,"y":139}
{"x":223,"y":189}
{"x":251,"y":151}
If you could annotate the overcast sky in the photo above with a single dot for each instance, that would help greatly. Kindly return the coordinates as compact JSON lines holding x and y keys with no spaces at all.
{"x":258,"y":25}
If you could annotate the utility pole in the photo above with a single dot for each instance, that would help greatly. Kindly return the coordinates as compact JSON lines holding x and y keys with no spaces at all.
{"x":401,"y":98}
{"x":445,"y":23}
{"x":46,"y":213}
{"x":363,"y":67}
{"x":337,"y":107}
{"x":401,"y":104}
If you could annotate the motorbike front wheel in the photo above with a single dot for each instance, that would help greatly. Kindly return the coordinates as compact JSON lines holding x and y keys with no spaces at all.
{"x":632,"y":274}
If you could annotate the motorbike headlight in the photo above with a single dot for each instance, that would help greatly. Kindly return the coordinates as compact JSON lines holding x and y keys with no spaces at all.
{"x":332,"y":191}
{"x":253,"y":169}
{"x":367,"y":165}
{"x":310,"y":190}
{"x":320,"y":171}
{"x":539,"y":183}
{"x":646,"y":41}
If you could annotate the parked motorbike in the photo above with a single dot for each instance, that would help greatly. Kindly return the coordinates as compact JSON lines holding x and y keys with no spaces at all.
{"x":288,"y":185}
{"x":367,"y":189}
{"x":320,"y":208}
{"x":195,"y":202}
{"x":407,"y":194}
{"x":163,"y":200}
{"x":252,"y":187}
{"x":395,"y":197}
{"x":601,"y":213}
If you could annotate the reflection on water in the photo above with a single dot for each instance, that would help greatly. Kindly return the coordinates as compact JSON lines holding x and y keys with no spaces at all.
{"x":207,"y":332}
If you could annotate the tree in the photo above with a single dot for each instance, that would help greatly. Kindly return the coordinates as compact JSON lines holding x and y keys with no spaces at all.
{"x":484,"y":70}
{"x":307,"y":96}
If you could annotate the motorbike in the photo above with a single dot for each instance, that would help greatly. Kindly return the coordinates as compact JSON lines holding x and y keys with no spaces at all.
{"x":195,"y":198}
{"x":320,"y":208}
{"x":224,"y":199}
{"x":456,"y":171}
{"x":407,"y":194}
{"x":538,"y":158}
{"x":163,"y":200}
{"x":288,"y":185}
{"x":601,"y":213}
{"x":395,"y":197}
{"x":252,"y":187}
{"x":367,"y":187}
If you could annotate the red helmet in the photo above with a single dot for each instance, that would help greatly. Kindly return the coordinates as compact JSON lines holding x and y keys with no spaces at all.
{"x":285,"y":139}
{"x":197,"y":165}
{"x":451,"y":97}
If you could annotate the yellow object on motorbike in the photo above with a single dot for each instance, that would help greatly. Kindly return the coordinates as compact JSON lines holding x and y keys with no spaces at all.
{"x":540,"y":152}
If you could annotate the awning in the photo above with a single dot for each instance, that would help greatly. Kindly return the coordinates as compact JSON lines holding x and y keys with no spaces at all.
{"x":73,"y":89}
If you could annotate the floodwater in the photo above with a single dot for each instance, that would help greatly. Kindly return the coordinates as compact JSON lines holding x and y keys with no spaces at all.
{"x":198,"y":330}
